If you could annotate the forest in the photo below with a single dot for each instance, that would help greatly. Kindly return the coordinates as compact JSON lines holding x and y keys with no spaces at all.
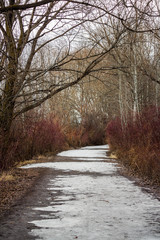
{"x":78,"y":73}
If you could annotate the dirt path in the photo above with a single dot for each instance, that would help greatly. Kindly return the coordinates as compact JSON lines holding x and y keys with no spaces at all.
{"x":82,"y":196}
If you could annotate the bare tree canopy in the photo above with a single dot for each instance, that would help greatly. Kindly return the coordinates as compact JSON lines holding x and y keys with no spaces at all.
{"x":30,"y":31}
{"x":27,"y":32}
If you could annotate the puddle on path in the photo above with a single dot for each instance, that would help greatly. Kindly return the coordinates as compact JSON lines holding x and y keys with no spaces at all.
{"x":100,"y":205}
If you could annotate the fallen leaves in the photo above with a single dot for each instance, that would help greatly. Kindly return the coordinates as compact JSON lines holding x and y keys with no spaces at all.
{"x":14,"y":184}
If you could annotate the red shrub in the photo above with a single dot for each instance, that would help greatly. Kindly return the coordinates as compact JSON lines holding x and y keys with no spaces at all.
{"x":114,"y":134}
{"x":32,"y":136}
{"x":138,"y":142}
{"x":89,"y":132}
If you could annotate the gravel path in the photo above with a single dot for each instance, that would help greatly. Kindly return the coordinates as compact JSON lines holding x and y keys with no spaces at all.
{"x":82,"y":196}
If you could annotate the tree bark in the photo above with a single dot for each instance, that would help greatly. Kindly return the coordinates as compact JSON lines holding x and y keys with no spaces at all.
{"x":7,"y":108}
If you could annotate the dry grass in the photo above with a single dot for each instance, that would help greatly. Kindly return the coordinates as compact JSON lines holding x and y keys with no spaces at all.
{"x":113,"y":155}
{"x":20,"y":164}
{"x":6,"y":176}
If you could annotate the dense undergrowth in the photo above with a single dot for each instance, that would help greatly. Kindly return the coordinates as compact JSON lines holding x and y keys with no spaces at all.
{"x":36,"y":134}
{"x":91,"y":131}
{"x":137,"y":142}
{"x":32,"y":136}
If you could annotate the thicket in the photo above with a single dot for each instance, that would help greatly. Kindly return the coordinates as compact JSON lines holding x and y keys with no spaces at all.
{"x":137,"y":142}
{"x":35,"y":134}
{"x":91,"y":131}
{"x":31,"y":136}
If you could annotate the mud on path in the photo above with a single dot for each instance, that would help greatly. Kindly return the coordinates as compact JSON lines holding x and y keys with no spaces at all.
{"x":82,"y":196}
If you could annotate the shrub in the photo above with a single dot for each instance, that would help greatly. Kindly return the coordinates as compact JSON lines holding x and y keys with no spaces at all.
{"x":138,"y":142}
{"x":89,"y":132}
{"x":32,"y":136}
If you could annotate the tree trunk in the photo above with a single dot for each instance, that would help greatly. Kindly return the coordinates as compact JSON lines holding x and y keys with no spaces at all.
{"x":7,"y":101}
{"x":135,"y":83}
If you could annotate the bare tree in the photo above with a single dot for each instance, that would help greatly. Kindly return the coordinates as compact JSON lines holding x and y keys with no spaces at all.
{"x":29,"y":29}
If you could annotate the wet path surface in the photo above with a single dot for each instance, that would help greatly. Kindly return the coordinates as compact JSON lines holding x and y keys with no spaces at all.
{"x":83,"y":197}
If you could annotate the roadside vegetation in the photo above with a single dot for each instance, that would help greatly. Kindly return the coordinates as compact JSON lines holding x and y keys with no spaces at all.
{"x":69,"y":68}
{"x":32,"y":136}
{"x":137,"y":143}
{"x":38,"y":135}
